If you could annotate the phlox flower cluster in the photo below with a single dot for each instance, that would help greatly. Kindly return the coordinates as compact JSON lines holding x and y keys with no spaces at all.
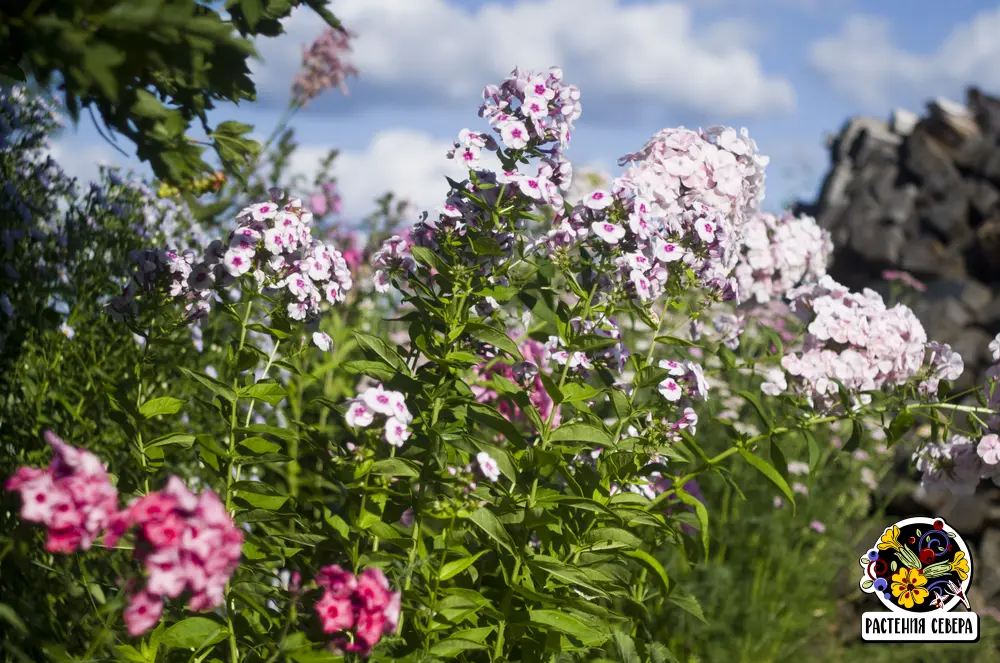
{"x":363,"y":606}
{"x":953,"y":466}
{"x":943,"y":364}
{"x":73,"y":497}
{"x":957,"y":464}
{"x":388,"y":406}
{"x":324,"y":66}
{"x":685,"y":380}
{"x":533,"y":115}
{"x":679,"y":208}
{"x":853,"y":338}
{"x":187,"y":543}
{"x":271,"y":242}
{"x":392,"y":260}
{"x":779,"y":253}
{"x":612,"y":357}
{"x":526,"y":374}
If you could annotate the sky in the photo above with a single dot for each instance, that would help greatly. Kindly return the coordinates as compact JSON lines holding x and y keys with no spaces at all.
{"x":790,"y":71}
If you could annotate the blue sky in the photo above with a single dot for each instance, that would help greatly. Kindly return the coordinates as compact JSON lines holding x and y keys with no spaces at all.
{"x":790,"y":71}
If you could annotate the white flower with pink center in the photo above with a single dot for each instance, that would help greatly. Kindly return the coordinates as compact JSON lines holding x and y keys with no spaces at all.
{"x":396,"y":432}
{"x":322,"y":341}
{"x":514,"y":134}
{"x":378,"y":400}
{"x":609,"y":232}
{"x":488,"y":466}
{"x":237,"y":262}
{"x":670,"y":390}
{"x":358,"y":415}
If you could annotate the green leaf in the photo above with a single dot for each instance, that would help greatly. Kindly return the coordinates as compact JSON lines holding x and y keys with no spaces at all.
{"x":567,"y":574}
{"x":625,"y":647}
{"x":857,"y":433}
{"x":727,"y":357}
{"x":673,"y":340}
{"x":487,"y":416}
{"x":815,"y":453}
{"x":217,"y":388}
{"x":10,"y":616}
{"x":579,"y":432}
{"x":271,"y":393}
{"x":578,"y":391}
{"x":494,"y":337}
{"x":761,"y":412}
{"x":592,"y":342}
{"x":131,"y":654}
{"x":900,"y":426}
{"x":570,"y":625}
{"x":381,"y":349}
{"x":659,"y":653}
{"x":613,"y":534}
{"x":688,"y":603}
{"x":653,"y":565}
{"x":453,"y":568}
{"x":171,"y":438}
{"x":650,"y":375}
{"x":259,"y":445}
{"x":769,"y":472}
{"x":462,"y":358}
{"x":452,"y":647}
{"x":486,"y":521}
{"x":428,"y":258}
{"x":260,"y":495}
{"x":194,"y":633}
{"x":395,"y":467}
{"x":376,"y":369}
{"x":162,"y":405}
{"x":318,"y":656}
{"x":700,"y":512}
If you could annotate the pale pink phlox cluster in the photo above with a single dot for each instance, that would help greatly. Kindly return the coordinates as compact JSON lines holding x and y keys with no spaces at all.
{"x":779,"y":253}
{"x":682,"y":201}
{"x":853,"y":338}
{"x":390,"y":406}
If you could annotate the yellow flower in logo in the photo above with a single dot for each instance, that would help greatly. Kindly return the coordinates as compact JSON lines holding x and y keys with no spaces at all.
{"x":960,"y":565}
{"x":908,"y":587}
{"x":890,"y":539}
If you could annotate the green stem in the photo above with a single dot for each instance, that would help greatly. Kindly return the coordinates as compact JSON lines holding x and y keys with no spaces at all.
{"x":949,"y":406}
{"x":232,"y":471}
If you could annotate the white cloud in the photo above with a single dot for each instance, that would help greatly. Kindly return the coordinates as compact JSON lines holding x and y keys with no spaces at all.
{"x":81,"y":157}
{"x":409,"y":163}
{"x":614,"y":53}
{"x":864,"y":62}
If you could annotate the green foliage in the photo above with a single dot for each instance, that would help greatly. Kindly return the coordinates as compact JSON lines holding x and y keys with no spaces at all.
{"x":150,"y":69}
